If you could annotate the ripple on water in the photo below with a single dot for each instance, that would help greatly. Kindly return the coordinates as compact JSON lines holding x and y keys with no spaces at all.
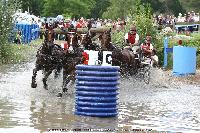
{"x":160,"y":105}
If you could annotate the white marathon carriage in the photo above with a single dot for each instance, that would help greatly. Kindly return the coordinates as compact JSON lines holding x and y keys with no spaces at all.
{"x":144,"y":66}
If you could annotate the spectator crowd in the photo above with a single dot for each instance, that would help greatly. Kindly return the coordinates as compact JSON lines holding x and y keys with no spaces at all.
{"x":171,"y":19}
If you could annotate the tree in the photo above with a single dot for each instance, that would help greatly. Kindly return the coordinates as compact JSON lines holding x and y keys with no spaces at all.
{"x":172,"y":7}
{"x":142,"y":18}
{"x":75,"y":8}
{"x":52,"y":8}
{"x":155,"y":4}
{"x":33,"y":6}
{"x":99,"y":8}
{"x":119,"y":9}
{"x":7,"y":9}
{"x":190,"y":5}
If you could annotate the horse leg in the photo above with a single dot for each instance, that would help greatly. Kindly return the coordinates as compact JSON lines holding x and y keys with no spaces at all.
{"x":73,"y":78}
{"x":57,"y":71}
{"x":34,"y":84}
{"x":46,"y":75}
{"x":66,"y":80}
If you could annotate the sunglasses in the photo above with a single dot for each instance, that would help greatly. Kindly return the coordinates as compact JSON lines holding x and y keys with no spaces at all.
{"x":132,"y":30}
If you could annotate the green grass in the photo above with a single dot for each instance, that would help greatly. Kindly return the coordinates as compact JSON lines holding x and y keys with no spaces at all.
{"x":20,"y":53}
{"x":196,"y":35}
{"x":194,"y":42}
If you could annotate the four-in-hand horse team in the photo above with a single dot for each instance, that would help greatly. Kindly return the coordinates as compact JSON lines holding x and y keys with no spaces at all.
{"x":52,"y":57}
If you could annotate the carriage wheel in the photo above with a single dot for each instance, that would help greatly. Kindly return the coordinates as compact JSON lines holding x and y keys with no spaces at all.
{"x":140,"y":73}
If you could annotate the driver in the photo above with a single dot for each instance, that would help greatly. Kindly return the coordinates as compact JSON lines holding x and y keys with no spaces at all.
{"x":132,"y":39}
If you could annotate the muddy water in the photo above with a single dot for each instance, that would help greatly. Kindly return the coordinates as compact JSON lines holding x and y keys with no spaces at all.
{"x":160,"y":106}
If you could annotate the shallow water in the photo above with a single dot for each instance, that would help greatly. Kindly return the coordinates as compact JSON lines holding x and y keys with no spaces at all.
{"x":160,"y":106}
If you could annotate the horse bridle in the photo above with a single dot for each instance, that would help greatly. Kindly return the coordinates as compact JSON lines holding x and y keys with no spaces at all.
{"x":71,"y":35}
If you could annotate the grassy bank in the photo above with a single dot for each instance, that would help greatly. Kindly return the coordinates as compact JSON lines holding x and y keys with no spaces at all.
{"x":193,"y":41}
{"x":20,"y":53}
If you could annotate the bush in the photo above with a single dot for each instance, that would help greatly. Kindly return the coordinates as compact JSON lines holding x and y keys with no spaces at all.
{"x":7,"y":9}
{"x":193,"y":42}
{"x":142,"y":18}
{"x":20,"y":53}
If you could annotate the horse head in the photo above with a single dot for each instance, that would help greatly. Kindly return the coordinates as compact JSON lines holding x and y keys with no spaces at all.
{"x":72,"y":38}
{"x":86,"y":40}
{"x":106,"y":40}
{"x":48,"y":41}
{"x":49,"y":33}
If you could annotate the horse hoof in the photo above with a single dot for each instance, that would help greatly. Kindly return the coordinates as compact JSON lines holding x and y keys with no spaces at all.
{"x":65,"y":90}
{"x":33,"y":85}
{"x":55,"y":76}
{"x":45,"y":87}
{"x":59,"y":94}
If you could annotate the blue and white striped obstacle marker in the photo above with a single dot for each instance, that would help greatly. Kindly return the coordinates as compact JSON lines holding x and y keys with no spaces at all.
{"x":96,"y":90}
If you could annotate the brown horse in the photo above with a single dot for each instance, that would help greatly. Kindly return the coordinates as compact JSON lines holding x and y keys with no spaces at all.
{"x":72,"y":58}
{"x":48,"y":58}
{"x":86,"y":42}
{"x":120,"y":57}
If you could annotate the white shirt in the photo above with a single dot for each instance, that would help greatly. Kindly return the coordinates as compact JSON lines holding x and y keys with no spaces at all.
{"x":74,"y":23}
{"x":196,"y":18}
{"x":98,"y":24}
{"x":94,"y":25}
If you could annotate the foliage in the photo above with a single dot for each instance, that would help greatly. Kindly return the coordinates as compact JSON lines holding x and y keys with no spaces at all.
{"x":159,"y":45}
{"x":172,"y":7}
{"x":33,"y":6}
{"x":7,"y":9}
{"x":19,"y":53}
{"x":167,"y":31}
{"x":74,"y":8}
{"x":119,"y":9}
{"x":194,"y":41}
{"x":143,"y":21}
{"x":118,"y":38}
{"x":155,"y":4}
{"x":187,"y":23}
{"x":105,"y":8}
{"x":99,"y":8}
{"x":190,"y":5}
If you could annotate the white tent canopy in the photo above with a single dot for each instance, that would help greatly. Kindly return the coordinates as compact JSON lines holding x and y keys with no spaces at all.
{"x":25,"y":18}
